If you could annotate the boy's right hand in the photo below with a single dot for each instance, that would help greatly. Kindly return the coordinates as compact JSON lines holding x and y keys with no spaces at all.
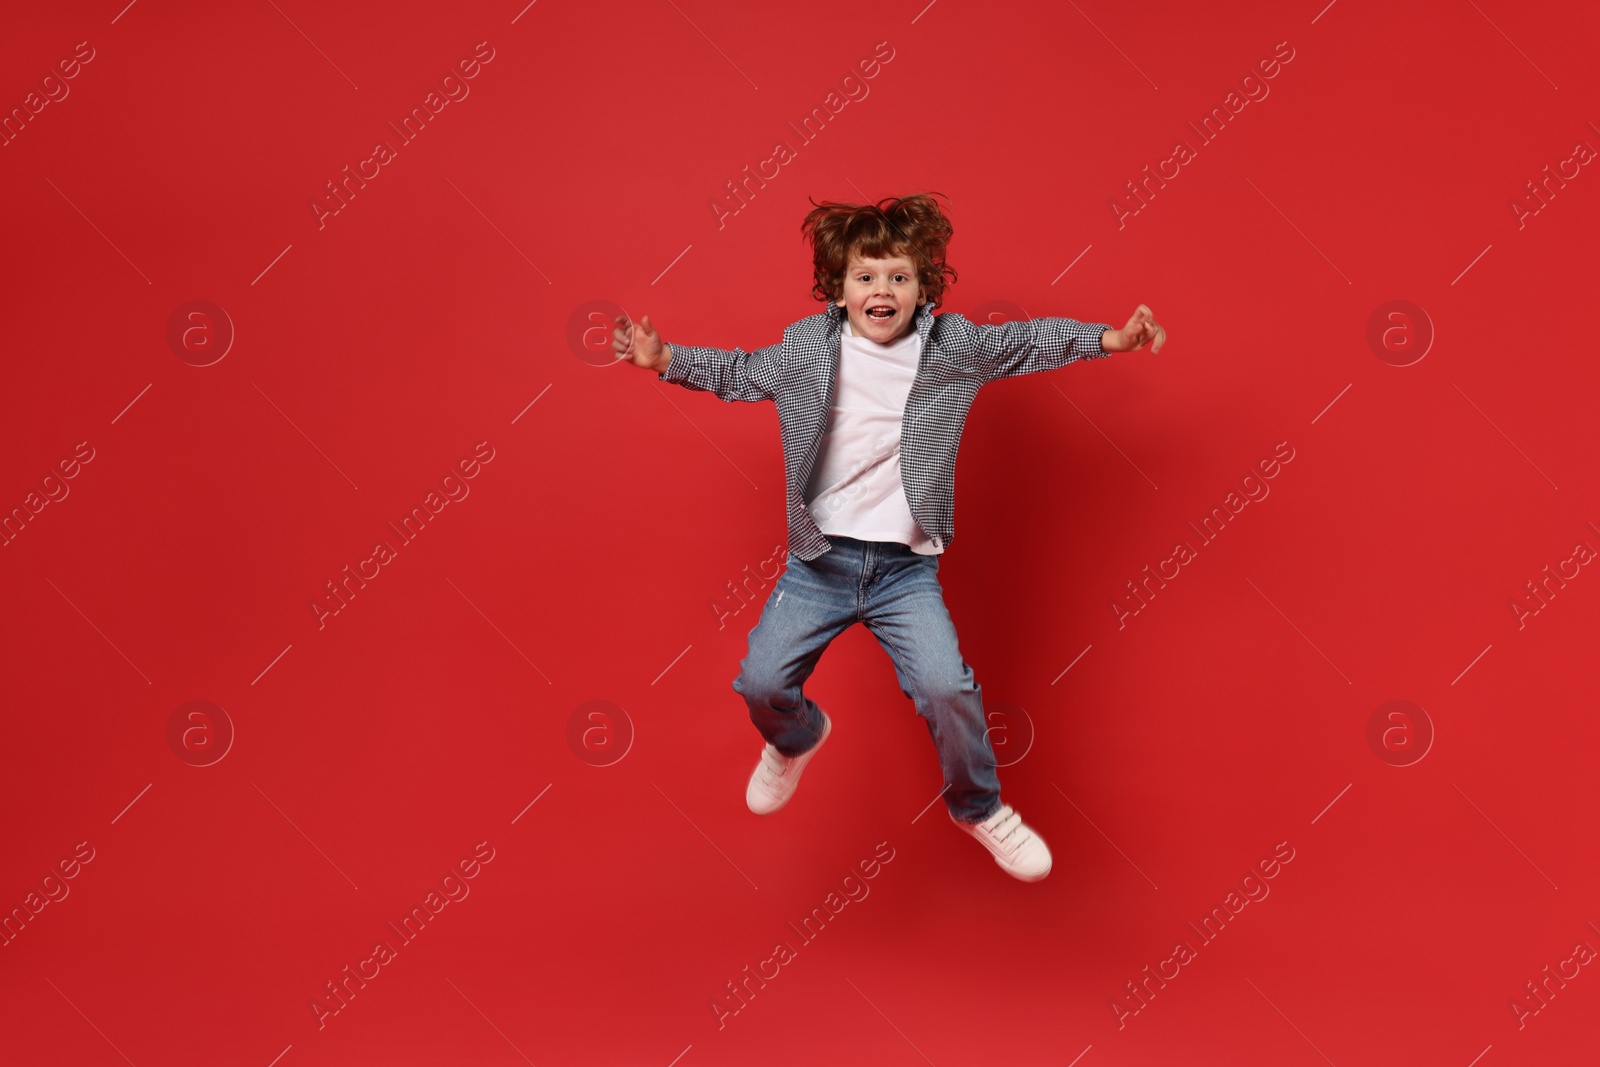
{"x":640,"y":344}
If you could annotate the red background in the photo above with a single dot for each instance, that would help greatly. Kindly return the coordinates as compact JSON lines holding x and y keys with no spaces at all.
{"x":433,"y":312}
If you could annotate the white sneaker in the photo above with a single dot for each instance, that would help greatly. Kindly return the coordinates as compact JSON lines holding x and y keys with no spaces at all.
{"x":774,"y":780}
{"x":1017,"y":849}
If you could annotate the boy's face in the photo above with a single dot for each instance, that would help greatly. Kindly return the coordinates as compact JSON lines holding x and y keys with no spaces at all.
{"x":888,"y":286}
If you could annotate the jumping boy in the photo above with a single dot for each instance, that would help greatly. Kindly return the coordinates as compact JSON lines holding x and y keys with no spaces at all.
{"x":872,"y":395}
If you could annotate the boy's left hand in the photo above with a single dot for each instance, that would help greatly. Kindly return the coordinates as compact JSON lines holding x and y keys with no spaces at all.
{"x":1142,"y":329}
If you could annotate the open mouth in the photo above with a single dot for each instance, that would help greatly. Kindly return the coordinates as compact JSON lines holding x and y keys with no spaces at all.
{"x":880,"y":313}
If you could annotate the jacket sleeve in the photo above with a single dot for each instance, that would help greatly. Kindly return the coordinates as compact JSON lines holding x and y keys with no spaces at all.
{"x":1029,"y":346}
{"x":733,"y":374}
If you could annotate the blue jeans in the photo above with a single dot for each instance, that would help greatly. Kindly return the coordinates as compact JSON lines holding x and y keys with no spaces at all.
{"x":896,"y":593}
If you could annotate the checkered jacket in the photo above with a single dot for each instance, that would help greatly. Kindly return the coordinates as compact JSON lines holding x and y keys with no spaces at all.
{"x":958,"y":357}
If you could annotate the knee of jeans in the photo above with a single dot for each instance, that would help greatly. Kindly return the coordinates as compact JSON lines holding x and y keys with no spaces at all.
{"x":758,"y":688}
{"x":943,"y":686}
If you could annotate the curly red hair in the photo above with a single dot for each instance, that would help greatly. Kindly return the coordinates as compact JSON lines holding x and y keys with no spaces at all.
{"x":911,"y":226}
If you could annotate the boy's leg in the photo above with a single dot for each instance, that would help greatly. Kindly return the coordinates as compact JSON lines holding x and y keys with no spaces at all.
{"x":907,"y":614}
{"x":811,"y":604}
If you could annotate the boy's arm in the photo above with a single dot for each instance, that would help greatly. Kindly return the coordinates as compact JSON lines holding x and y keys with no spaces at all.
{"x":1032,"y":346}
{"x":732,"y":374}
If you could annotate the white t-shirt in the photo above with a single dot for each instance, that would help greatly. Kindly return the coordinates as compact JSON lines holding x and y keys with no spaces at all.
{"x":855,"y":488}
